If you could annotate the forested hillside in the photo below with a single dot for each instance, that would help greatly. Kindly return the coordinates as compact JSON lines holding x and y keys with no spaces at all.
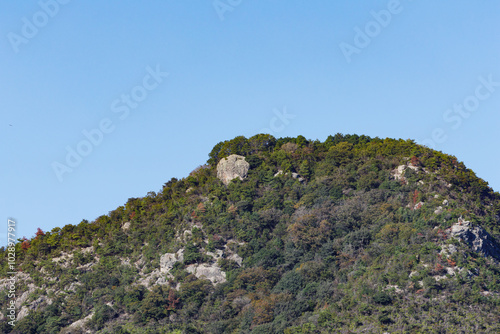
{"x":350,"y":235}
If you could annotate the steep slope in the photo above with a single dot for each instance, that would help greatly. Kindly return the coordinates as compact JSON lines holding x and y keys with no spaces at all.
{"x":354,"y":234}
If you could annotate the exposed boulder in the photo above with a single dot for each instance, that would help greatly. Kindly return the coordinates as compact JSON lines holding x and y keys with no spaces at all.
{"x":79,"y":325}
{"x":294,"y":175}
{"x":280,"y":172}
{"x":168,"y":260}
{"x":298,"y":177}
{"x":150,"y":279}
{"x":418,"y":205}
{"x":33,"y":306}
{"x":211,"y":272}
{"x":23,"y":312}
{"x":396,"y":288}
{"x":399,"y":172}
{"x":126,"y":226}
{"x":64,"y":260}
{"x":447,"y":250}
{"x":476,"y":237}
{"x":234,"y":166}
{"x":236,"y":258}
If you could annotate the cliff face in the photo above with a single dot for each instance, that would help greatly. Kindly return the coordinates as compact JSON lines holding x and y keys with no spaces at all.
{"x":353,"y":233}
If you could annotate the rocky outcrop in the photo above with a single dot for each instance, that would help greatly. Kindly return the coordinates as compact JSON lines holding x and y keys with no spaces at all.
{"x":212,"y":272}
{"x":447,"y":250}
{"x":148,"y":280}
{"x":476,"y":237}
{"x":79,"y":325}
{"x":126,"y":226}
{"x":168,"y":260}
{"x":294,"y":175}
{"x":42,"y":301}
{"x":232,"y":167}
{"x":399,"y":172}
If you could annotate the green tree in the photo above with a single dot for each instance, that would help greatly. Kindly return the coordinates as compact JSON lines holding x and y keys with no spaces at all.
{"x":305,"y":169}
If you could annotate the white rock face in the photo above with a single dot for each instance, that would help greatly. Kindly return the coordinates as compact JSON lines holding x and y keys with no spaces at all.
{"x":22,"y":313}
{"x":81,"y":323}
{"x":236,"y":258}
{"x":64,"y":260}
{"x":33,"y":306}
{"x":232,"y":167}
{"x":476,"y":237}
{"x":168,"y":260}
{"x":418,"y":205}
{"x":298,"y":177}
{"x":447,"y":250}
{"x":151,"y":278}
{"x":126,"y":226}
{"x":294,"y":175}
{"x":280,"y":172}
{"x":157,"y":276}
{"x":211,"y":272}
{"x":21,"y":299}
{"x":396,"y":288}
{"x":398,"y":172}
{"x":217,"y":255}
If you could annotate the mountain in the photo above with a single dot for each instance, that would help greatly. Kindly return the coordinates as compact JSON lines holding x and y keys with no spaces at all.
{"x":290,"y":235}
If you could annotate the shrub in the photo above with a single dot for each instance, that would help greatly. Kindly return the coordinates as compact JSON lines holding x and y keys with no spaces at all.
{"x":291,"y":282}
{"x":102,"y":315}
{"x":382,"y":298}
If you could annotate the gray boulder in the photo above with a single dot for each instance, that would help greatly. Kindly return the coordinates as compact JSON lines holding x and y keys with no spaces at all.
{"x":211,"y":272}
{"x":476,"y":237}
{"x":234,"y":166}
{"x":168,"y":260}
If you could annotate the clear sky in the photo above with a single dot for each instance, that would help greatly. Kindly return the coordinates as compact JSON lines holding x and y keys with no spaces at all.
{"x":103,"y":101}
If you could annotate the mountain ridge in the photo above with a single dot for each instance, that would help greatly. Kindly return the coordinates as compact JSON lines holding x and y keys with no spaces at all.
{"x":353,"y":233}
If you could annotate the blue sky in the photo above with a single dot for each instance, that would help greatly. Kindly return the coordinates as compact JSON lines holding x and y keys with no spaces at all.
{"x":424,"y":70}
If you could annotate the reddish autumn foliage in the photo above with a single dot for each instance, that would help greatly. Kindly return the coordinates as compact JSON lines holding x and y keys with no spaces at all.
{"x":25,"y":245}
{"x":442,"y":234}
{"x":439,"y":269}
{"x":172,"y":300}
{"x":39,"y":233}
{"x":415,"y":199}
{"x":201,"y":207}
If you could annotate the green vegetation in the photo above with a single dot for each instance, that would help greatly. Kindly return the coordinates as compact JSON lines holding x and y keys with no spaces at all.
{"x":348,"y":248}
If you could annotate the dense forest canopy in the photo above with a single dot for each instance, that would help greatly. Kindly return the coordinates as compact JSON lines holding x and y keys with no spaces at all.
{"x":347,"y":235}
